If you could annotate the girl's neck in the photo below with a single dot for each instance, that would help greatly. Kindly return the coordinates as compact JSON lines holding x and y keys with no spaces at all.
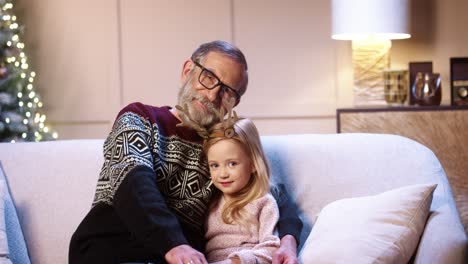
{"x":226,"y":198}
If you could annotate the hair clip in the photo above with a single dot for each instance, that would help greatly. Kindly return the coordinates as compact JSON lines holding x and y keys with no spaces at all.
{"x":227,"y":127}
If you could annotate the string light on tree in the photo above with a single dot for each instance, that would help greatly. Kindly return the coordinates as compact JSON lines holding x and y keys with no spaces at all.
{"x":21,"y":118}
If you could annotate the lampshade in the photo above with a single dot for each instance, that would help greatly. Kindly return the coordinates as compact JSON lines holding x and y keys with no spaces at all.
{"x":356,"y":19}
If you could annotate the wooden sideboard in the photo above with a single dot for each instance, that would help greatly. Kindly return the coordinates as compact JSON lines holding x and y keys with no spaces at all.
{"x":443,"y":129}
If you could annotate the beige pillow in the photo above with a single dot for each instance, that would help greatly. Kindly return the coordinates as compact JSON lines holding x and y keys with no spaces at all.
{"x":383,"y":228}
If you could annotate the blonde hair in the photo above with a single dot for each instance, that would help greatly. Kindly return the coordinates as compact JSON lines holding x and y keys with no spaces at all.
{"x":247,"y":135}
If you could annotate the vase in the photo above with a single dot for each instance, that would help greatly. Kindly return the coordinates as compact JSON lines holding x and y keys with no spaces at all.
{"x":427,"y":89}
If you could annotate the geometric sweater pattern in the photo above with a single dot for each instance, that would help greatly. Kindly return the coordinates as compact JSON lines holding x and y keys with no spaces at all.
{"x":182,"y":173}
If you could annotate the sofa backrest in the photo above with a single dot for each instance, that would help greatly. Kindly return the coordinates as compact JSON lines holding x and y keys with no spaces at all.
{"x":324,"y":168}
{"x":53,"y":183}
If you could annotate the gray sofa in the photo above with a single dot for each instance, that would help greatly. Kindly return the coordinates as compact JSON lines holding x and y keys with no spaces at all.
{"x":52,"y":186}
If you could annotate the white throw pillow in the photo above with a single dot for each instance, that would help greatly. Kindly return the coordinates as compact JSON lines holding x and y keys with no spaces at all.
{"x":383,"y":228}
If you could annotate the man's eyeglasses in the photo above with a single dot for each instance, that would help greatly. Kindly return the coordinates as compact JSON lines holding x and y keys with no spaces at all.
{"x":209,"y":80}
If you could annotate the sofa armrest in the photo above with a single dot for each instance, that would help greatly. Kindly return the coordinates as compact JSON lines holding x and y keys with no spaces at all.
{"x":444,"y":239}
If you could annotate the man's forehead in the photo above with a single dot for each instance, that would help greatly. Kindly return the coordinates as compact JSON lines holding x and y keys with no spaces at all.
{"x":225,"y":67}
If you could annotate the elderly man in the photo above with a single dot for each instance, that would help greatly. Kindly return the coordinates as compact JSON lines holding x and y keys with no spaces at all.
{"x":154,"y":188}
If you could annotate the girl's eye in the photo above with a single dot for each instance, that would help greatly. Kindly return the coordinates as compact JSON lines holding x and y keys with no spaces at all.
{"x":213,"y":166}
{"x":232,"y":164}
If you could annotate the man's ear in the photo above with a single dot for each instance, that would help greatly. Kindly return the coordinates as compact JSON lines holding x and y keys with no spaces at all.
{"x":188,"y":65}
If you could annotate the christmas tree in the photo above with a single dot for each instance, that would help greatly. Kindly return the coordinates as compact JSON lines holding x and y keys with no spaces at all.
{"x":21,"y":118}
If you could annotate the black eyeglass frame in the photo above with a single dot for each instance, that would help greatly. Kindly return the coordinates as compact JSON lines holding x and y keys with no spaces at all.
{"x":218,"y":83}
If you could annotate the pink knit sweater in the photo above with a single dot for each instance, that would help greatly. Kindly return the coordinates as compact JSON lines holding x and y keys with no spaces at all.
{"x":226,"y":241}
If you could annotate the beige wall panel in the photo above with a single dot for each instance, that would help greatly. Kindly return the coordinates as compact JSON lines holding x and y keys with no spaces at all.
{"x":298,"y":73}
{"x":290,"y":55}
{"x":158,"y":36}
{"x":72,"y":45}
{"x":90,"y":130}
{"x":279,"y":126}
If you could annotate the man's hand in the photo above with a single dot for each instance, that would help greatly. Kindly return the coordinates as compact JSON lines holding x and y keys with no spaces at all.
{"x":184,"y":254}
{"x":287,"y":252}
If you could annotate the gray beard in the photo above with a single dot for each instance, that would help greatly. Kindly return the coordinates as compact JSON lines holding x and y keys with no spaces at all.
{"x":204,"y":117}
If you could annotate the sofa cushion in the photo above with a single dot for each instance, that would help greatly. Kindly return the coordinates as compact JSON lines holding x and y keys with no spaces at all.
{"x":383,"y":228}
{"x":17,"y":249}
{"x":4,"y":252}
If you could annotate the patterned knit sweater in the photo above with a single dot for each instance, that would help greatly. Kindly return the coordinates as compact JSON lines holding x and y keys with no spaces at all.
{"x":226,"y":241}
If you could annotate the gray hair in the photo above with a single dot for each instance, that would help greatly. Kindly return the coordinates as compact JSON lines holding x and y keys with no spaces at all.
{"x":226,"y":49}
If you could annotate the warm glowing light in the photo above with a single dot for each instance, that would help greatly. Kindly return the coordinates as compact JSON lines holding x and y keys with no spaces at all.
{"x":30,"y":104}
{"x":21,"y":104}
{"x":55,"y":135}
{"x":46,"y":129}
{"x":24,"y":135}
{"x":29,"y":86}
{"x":20,"y":94}
{"x":23,"y":75}
{"x":25,"y":121}
{"x":7,"y":120}
{"x":32,"y":94}
{"x":33,"y":74}
{"x":15,"y":38}
{"x":28,"y":114}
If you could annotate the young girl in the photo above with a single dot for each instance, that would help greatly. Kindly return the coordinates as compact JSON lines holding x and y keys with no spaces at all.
{"x":243,"y":215}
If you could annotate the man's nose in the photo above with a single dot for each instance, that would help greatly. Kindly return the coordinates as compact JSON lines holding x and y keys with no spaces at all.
{"x":213,"y":94}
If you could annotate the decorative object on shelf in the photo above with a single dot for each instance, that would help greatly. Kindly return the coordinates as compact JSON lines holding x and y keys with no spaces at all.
{"x":414,"y":68}
{"x":427,"y":89}
{"x":395,"y":86}
{"x":459,"y":81}
{"x":371,"y":25}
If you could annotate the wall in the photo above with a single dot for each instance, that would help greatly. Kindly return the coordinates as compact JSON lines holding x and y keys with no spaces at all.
{"x":94,"y":57}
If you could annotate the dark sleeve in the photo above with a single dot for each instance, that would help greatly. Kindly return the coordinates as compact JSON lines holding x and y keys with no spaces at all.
{"x":289,"y":222}
{"x":143,"y":210}
{"x":128,"y":182}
